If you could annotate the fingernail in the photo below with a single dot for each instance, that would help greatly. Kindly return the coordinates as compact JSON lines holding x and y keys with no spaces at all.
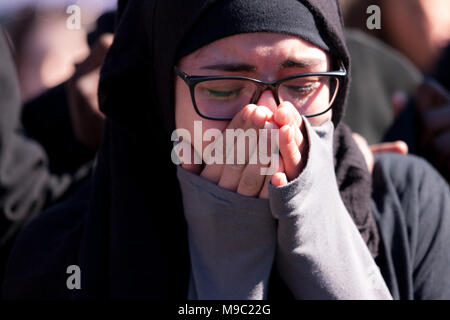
{"x":403,"y":146}
{"x":267,"y":111}
{"x":269,"y":125}
{"x":261,"y":113}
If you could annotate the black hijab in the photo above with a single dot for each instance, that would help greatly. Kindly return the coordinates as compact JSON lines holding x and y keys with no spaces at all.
{"x":135,"y":243}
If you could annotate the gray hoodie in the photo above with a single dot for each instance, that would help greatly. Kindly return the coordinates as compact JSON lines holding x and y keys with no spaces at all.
{"x":303,"y":227}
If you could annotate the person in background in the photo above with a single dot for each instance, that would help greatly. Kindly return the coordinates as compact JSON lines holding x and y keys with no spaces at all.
{"x":48,"y":145}
{"x":71,"y":108}
{"x":26,"y":184}
{"x":420,"y":29}
{"x":45,"y":50}
{"x":380,"y":77}
{"x":423,"y":123}
{"x":390,"y":98}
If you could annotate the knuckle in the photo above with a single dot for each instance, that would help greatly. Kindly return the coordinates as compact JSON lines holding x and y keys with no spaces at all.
{"x":249,"y":183}
{"x":247,"y":111}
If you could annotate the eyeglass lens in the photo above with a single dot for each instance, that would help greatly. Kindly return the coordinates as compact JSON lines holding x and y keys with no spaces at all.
{"x":224,"y":98}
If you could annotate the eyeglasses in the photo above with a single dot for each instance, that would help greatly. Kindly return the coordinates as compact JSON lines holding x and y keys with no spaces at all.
{"x":222,"y":97}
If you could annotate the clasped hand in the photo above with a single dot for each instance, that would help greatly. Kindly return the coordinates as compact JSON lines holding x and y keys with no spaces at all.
{"x":246,"y":179}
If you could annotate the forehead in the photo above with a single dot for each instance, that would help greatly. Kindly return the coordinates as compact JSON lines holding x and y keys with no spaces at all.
{"x":262,"y":48}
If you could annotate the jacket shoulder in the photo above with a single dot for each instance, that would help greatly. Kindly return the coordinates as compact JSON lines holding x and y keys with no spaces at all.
{"x":406,"y":172}
{"x":413,"y":212}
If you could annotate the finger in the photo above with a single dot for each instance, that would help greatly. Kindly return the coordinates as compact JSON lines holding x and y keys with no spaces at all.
{"x":279,"y":179}
{"x":290,"y":152}
{"x":213,"y":172}
{"x":254,"y":176}
{"x":264,"y":194}
{"x":396,"y":147}
{"x":286,"y":114}
{"x":233,"y":173}
{"x":302,"y":145}
{"x":250,"y":181}
{"x":186,"y":152}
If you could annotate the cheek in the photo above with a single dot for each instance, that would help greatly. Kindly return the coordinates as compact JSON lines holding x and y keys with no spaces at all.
{"x":322,"y":99}
{"x":183,"y":105}
{"x":187,"y":118}
{"x":317,"y":121}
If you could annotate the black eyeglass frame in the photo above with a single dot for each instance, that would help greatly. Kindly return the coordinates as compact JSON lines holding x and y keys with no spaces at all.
{"x":192,"y":81}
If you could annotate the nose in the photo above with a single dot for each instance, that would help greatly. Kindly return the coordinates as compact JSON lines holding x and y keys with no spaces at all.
{"x":268,"y":100}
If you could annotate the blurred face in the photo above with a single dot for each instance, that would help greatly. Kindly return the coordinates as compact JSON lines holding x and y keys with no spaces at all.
{"x":427,"y":20}
{"x":263,"y":56}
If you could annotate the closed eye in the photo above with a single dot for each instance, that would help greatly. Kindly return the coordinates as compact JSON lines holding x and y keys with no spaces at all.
{"x":302,"y":89}
{"x":220,"y":93}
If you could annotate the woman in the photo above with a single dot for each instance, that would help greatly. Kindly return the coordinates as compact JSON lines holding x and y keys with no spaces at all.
{"x":309,"y":231}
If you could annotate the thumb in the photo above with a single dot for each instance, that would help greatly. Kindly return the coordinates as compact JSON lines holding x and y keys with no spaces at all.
{"x":279,"y":179}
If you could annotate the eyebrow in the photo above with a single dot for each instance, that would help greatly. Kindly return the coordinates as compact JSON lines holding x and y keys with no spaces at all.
{"x":244,"y":67}
{"x":305,"y":63}
{"x":231,"y":67}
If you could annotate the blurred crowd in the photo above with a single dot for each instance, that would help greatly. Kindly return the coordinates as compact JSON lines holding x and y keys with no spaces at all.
{"x":51,"y":125}
{"x":401,"y":75}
